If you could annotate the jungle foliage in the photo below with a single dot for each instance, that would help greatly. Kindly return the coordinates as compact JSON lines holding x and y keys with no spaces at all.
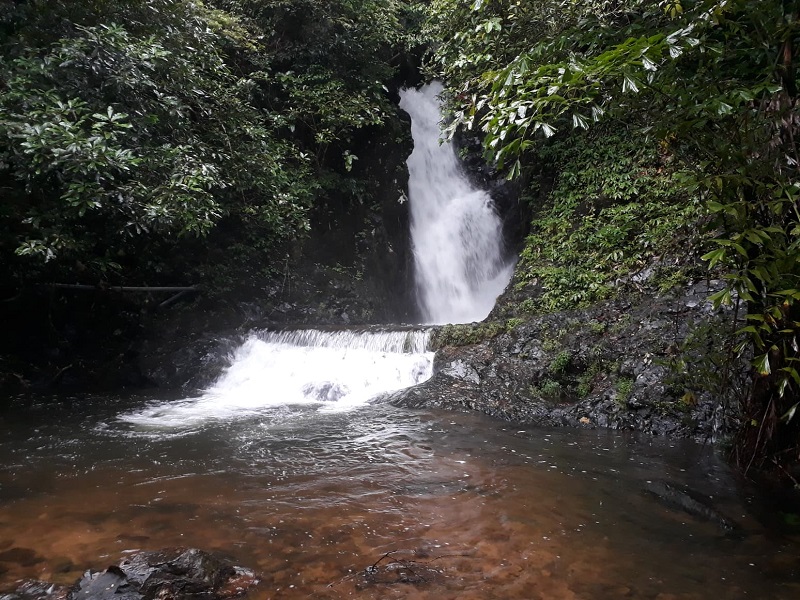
{"x":130,"y":129}
{"x":614,"y":220}
{"x":711,"y":84}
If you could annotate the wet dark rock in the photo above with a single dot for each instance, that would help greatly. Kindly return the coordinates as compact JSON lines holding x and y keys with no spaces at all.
{"x":460,"y":370}
{"x":327,"y":391}
{"x":177,"y":574}
{"x":614,"y":365}
{"x":189,"y":347}
{"x":111,"y":584}
{"x":34,"y":589}
{"x":185,"y":574}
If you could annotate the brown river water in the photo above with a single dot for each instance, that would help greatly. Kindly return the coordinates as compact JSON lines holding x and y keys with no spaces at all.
{"x":471,"y":508}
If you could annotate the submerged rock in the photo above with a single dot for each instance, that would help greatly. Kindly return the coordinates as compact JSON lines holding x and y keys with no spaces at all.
{"x":111,"y":584}
{"x":22,"y":556}
{"x":390,"y":570}
{"x":328,"y":391}
{"x":177,"y":574}
{"x":690,"y":502}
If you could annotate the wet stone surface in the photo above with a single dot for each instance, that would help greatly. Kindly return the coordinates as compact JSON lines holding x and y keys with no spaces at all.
{"x":177,"y":573}
{"x":620,"y":365}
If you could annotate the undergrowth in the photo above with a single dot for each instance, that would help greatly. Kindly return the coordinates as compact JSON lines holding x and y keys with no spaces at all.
{"x":613,"y":214}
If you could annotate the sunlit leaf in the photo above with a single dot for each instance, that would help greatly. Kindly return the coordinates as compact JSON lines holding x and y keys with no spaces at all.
{"x":714,"y":256}
{"x":579,"y":121}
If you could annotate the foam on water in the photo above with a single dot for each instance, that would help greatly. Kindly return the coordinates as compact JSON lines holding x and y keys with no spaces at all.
{"x":333,"y":371}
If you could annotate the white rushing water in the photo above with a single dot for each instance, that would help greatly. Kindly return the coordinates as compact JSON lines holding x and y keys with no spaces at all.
{"x":334,"y":371}
{"x":457,"y":242}
{"x":456,"y":233}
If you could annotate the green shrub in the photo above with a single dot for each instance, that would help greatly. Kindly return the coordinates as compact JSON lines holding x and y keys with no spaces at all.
{"x":561,"y":362}
{"x":549,"y":389}
{"x":597,"y":327}
{"x":613,"y":209}
{"x":624,"y":388}
{"x":466,"y":334}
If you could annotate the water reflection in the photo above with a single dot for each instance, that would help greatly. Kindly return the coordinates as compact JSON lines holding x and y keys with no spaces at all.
{"x":312,"y":500}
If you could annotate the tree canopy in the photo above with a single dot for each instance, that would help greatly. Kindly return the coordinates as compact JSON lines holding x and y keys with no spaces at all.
{"x":129,"y":126}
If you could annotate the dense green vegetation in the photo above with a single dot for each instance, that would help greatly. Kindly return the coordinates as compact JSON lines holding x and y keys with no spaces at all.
{"x":614,"y":218}
{"x":167,"y":141}
{"x":131,"y":129}
{"x":707,"y":86}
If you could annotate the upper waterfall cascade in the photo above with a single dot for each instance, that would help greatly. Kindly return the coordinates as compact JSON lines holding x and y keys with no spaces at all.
{"x":456,"y":233}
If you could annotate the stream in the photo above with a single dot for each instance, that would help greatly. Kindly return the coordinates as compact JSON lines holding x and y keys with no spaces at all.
{"x":310,"y":498}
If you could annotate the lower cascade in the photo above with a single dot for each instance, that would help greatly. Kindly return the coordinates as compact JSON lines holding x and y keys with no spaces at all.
{"x":333,"y":370}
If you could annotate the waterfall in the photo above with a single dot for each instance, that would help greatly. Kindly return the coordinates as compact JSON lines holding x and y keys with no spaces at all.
{"x":456,"y":233}
{"x":333,"y":371}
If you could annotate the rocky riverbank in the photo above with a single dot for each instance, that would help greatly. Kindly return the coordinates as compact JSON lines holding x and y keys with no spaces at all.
{"x":655,"y":364}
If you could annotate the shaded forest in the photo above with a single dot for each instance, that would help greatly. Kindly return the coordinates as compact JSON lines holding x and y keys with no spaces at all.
{"x":169,"y":142}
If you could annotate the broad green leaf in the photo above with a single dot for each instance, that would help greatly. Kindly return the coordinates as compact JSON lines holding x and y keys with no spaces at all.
{"x":714,"y":256}
{"x":629,"y":84}
{"x":720,"y":298}
{"x":762,"y":365}
{"x":548,"y":130}
{"x":579,"y":121}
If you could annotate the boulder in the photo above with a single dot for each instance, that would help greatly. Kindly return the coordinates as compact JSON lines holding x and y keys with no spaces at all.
{"x":176,"y":573}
